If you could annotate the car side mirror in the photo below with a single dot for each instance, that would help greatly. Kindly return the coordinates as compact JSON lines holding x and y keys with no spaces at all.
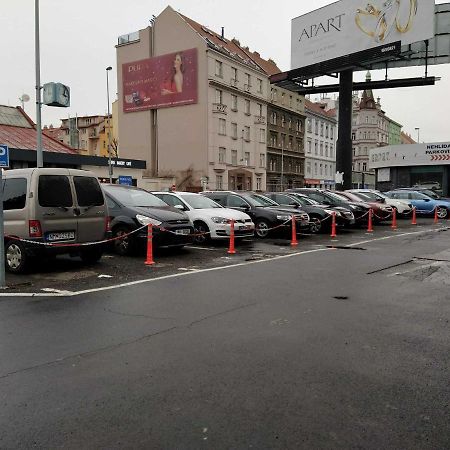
{"x":180,"y":207}
{"x":427,"y":199}
{"x":294,"y":205}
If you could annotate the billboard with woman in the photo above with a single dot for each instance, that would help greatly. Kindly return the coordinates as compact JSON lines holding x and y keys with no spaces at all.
{"x":160,"y":82}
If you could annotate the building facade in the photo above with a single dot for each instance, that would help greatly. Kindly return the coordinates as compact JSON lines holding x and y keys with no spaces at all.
{"x":320,"y":145}
{"x":217,"y":140}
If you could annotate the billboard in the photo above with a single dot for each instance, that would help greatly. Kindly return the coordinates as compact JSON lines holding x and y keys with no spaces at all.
{"x":350,"y":26}
{"x":160,"y":82}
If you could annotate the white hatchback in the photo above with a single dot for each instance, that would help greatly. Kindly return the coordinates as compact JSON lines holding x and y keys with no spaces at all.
{"x":402,"y":206}
{"x":211,"y":220}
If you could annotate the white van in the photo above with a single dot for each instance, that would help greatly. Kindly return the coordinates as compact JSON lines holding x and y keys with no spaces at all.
{"x":49,"y":208}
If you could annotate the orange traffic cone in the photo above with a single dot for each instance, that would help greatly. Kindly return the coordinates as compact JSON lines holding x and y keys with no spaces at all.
{"x":394,"y":219}
{"x":414,"y":217}
{"x":436,"y":219}
{"x":369,"y":224}
{"x":149,"y":261}
{"x":231,"y":250}
{"x":294,"y":241}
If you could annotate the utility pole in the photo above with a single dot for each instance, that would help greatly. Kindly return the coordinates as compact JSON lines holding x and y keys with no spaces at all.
{"x":40,"y":159}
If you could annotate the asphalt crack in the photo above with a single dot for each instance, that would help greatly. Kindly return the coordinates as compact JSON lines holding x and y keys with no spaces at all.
{"x":119,"y":313}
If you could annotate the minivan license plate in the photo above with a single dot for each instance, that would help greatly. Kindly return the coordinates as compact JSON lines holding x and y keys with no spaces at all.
{"x":183,"y":231}
{"x":62,"y":236}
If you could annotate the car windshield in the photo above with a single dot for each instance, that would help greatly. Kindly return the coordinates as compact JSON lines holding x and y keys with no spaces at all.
{"x":337,"y":196}
{"x":134,"y":197}
{"x":366,"y":196}
{"x":304,"y":201}
{"x":197,"y":201}
{"x":430,"y":193}
{"x":420,"y":196}
{"x":260,"y":200}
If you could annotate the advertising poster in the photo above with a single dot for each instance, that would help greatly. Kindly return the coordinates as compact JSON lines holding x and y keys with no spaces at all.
{"x":350,"y":26}
{"x":160,"y":82}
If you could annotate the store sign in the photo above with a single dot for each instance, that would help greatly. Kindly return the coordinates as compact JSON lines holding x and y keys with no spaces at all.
{"x":350,"y":26}
{"x":160,"y":82}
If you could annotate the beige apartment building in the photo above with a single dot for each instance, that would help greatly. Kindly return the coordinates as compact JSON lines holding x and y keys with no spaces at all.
{"x":205,"y":127}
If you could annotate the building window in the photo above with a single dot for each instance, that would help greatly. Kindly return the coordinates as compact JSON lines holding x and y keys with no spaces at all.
{"x":273,"y":118}
{"x":332,"y":132}
{"x":321,"y":169}
{"x":247,"y":82}
{"x":262,"y":160}
{"x":316,"y":147}
{"x":309,"y":126}
{"x":219,"y":182}
{"x":283,"y":120}
{"x":219,"y":96}
{"x":316,"y":126}
{"x":222,"y":127}
{"x":260,"y":110}
{"x":234,"y":102}
{"x":234,"y":130}
{"x":247,"y":107}
{"x":321,"y":128}
{"x":234,"y":157}
{"x":246,"y":158}
{"x":353,"y":136}
{"x":258,"y":183}
{"x":326,"y":150}
{"x":273,"y":95}
{"x":309,"y":146}
{"x":222,"y":155}
{"x":234,"y":74}
{"x":290,"y":101}
{"x":321,"y":149}
{"x":326,"y":131}
{"x":290,"y":143}
{"x":283,"y":141}
{"x":273,"y":139}
{"x":262,"y":135}
{"x":364,"y":167}
{"x":260,"y":86}
{"x":219,"y":69}
{"x":308,"y":167}
{"x":247,"y":133}
{"x":315,"y":168}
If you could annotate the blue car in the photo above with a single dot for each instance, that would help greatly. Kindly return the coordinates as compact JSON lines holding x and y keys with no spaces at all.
{"x":424,"y":204}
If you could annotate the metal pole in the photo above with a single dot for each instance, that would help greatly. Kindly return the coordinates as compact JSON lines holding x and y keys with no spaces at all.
{"x":109,"y":127}
{"x":282,"y":167}
{"x":40,"y":159}
{"x":344,"y":153}
{"x":2,"y":236}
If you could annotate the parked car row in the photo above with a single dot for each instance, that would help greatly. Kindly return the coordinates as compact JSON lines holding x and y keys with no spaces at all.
{"x":54,"y":211}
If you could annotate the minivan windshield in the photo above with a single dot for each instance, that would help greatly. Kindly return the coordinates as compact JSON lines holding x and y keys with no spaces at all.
{"x":134,"y":197}
{"x":197,"y":201}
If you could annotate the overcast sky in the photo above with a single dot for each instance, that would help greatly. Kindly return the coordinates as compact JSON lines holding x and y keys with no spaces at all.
{"x":78,"y":39}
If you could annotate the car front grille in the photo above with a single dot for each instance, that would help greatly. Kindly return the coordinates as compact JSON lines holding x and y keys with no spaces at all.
{"x":178,"y":222}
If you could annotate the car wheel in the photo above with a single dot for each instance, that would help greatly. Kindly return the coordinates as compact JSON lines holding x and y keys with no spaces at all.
{"x":16,"y":258}
{"x":91,"y":255}
{"x":442,"y":212}
{"x":315,"y":225}
{"x":125,"y":245}
{"x":262,"y":229}
{"x":202,"y":235}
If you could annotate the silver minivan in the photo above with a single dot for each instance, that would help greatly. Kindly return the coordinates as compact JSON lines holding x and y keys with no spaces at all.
{"x":50,"y":211}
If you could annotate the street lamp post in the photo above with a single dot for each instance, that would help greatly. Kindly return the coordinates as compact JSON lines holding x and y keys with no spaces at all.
{"x":109,"y":126}
{"x":39,"y":154}
{"x":418,"y":134}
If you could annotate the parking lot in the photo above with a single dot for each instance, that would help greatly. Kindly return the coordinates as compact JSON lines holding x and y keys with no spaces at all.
{"x":69,"y":276}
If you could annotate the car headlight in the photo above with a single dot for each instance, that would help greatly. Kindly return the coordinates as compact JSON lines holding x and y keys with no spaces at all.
{"x":221,"y":220}
{"x":284,"y":217}
{"x":144,"y":220}
{"x":330,"y":212}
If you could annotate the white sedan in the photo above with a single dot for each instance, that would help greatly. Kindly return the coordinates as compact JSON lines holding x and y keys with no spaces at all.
{"x":402,"y":207}
{"x":211,"y":220}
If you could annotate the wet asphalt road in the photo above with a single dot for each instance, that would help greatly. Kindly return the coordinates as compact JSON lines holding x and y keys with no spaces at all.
{"x":333,"y":348}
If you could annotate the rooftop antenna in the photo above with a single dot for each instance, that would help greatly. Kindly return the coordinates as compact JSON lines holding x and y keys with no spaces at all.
{"x":23,"y":99}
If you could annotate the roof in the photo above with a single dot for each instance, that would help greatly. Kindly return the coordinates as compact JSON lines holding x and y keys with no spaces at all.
{"x":319,"y":108}
{"x":406,"y":138}
{"x":230,"y":48}
{"x":18,"y":131}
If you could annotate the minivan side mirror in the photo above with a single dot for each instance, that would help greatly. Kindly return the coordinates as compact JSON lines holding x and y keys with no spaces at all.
{"x":180,"y":207}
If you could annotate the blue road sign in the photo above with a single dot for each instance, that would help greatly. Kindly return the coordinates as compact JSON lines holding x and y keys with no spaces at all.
{"x":4,"y":155}
{"x":126,"y":180}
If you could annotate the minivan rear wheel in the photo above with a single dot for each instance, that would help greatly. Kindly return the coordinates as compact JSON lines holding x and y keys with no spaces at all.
{"x":16,"y":258}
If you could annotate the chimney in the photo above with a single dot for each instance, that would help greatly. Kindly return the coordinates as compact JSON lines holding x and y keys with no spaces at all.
{"x":223,"y":32}
{"x":256,"y":54}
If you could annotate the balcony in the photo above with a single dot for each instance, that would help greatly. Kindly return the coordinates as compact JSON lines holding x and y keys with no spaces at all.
{"x":260,"y":120}
{"x":219,"y":108}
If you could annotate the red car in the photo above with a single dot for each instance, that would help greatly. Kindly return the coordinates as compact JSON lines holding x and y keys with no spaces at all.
{"x":381,"y":211}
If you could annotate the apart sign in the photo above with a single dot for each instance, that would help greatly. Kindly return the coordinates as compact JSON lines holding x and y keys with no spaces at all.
{"x":350,"y":26}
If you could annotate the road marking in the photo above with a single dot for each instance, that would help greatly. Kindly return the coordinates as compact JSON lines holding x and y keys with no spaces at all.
{"x":200,"y":248}
{"x":211,"y":269}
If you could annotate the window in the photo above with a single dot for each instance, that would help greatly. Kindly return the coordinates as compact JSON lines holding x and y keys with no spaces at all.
{"x":222,"y":155}
{"x":308,"y":167}
{"x":353,"y":136}
{"x":315,"y":168}
{"x":234,"y":201}
{"x":308,"y":148}
{"x":321,"y":128}
{"x":262,"y":135}
{"x":273,"y":139}
{"x":326,"y":150}
{"x":321,"y":169}
{"x":332,"y":132}
{"x":283,"y":120}
{"x":289,"y":123}
{"x":219,"y":182}
{"x":219,"y":69}
{"x":309,"y":126}
{"x":282,"y":98}
{"x":247,"y":107}
{"x":219,"y":96}
{"x":283,"y":141}
{"x":234,"y":102}
{"x":316,"y":147}
{"x":260,"y":110}
{"x":321,"y":149}
{"x":234,"y":75}
{"x":290,"y":143}
{"x":273,"y":118}
{"x":89,"y":192}
{"x":247,"y":133}
{"x":262,"y":160}
{"x":299,"y":125}
{"x":222,"y":127}
{"x":234,"y":157}
{"x":260,"y":86}
{"x":290,"y":101}
{"x":364,"y":167}
{"x":246,"y":158}
{"x":14,"y":193}
{"x":54,"y":191}
{"x":172,"y":200}
{"x":234,"y":130}
{"x":326,"y":131}
{"x":258,"y":183}
{"x":316,"y":126}
{"x":273,"y":95}
{"x":247,"y":82}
